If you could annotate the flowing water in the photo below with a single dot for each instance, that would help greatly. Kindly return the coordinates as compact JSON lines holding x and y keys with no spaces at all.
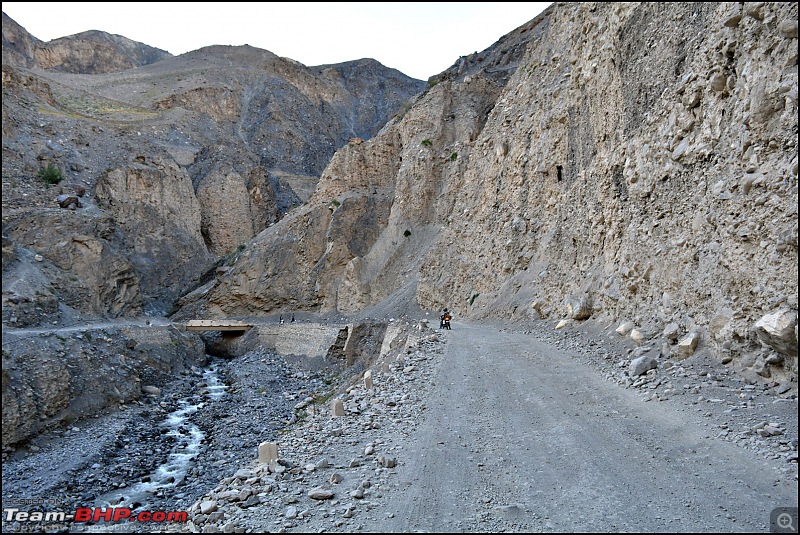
{"x":187,"y":440}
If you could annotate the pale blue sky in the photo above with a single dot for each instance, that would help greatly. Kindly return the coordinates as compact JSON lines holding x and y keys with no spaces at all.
{"x":420,"y":39}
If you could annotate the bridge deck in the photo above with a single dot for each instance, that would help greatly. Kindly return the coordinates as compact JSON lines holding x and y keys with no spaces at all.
{"x":217,"y":325}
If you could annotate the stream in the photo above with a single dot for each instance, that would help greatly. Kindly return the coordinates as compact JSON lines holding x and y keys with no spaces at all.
{"x":187,"y":439}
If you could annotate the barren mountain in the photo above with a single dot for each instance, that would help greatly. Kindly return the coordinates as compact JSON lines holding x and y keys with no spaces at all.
{"x":91,"y":52}
{"x":182,"y":160}
{"x":629,"y":164}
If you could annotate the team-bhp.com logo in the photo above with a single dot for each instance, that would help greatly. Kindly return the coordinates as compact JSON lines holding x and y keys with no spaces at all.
{"x":93,"y":514}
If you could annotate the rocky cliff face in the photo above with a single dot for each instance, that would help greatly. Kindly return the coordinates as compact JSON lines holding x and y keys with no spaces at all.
{"x":168,"y":167}
{"x":60,"y":377}
{"x":638,"y":167}
{"x":18,"y":45}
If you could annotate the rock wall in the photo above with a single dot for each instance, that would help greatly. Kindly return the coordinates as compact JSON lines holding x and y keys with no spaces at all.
{"x":76,"y":259}
{"x":645,"y":161}
{"x":153,"y":203}
{"x":18,"y":44}
{"x":59,"y":377}
{"x":640,"y":164}
{"x":234,"y":208}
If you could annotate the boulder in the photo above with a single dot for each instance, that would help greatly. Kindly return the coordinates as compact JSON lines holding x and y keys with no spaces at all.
{"x":579,"y":308}
{"x":642,"y":364}
{"x":687,"y":345}
{"x":150,"y":389}
{"x":777,"y":330}
{"x":69,"y":201}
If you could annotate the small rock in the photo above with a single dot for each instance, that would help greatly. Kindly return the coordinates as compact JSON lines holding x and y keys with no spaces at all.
{"x":671,"y":331}
{"x":337,"y":407}
{"x":207,"y":507}
{"x":637,"y":336}
{"x":320,"y":493}
{"x":625,"y":328}
{"x":769,"y":431}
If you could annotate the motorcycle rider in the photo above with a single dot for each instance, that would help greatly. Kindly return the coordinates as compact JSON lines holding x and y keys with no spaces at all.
{"x":444,"y":319}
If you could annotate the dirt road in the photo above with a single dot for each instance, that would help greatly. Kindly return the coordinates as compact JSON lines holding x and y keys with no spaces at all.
{"x":519,"y":436}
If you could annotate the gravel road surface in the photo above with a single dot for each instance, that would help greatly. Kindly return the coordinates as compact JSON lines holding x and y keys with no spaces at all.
{"x":520,"y":436}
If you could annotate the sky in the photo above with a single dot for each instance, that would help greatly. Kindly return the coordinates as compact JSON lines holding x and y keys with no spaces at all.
{"x":420,"y":39}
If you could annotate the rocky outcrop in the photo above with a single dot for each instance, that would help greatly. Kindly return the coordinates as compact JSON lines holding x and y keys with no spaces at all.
{"x":18,"y":45}
{"x":91,"y":52}
{"x":95,"y":52}
{"x":75,"y":259}
{"x":234,"y":208}
{"x":57,"y":378}
{"x":154,"y":206}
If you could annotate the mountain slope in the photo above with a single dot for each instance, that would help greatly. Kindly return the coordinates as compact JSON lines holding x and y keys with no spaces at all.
{"x":91,"y":52}
{"x":182,"y":161}
{"x":639,"y":165}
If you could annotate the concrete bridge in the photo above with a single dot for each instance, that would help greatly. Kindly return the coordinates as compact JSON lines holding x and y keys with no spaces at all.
{"x":346,"y":341}
{"x":217,"y":325}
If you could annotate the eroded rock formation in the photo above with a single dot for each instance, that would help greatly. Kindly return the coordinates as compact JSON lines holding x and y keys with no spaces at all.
{"x":60,"y":377}
{"x":181,"y":161}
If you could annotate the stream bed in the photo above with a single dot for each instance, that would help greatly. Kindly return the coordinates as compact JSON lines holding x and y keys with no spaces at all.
{"x":166,"y":450}
{"x":187,"y":438}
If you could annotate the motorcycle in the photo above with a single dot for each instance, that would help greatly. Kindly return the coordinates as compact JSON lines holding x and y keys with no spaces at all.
{"x":444,"y":321}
